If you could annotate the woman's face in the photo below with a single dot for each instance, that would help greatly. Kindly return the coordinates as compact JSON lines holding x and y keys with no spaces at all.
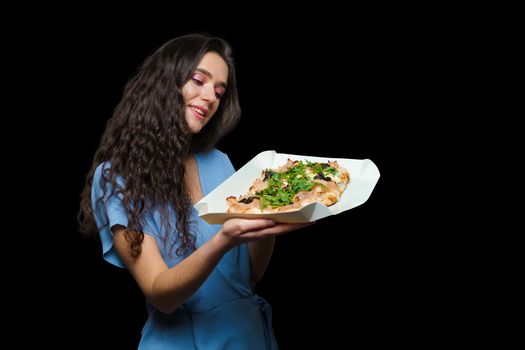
{"x":202,"y":93}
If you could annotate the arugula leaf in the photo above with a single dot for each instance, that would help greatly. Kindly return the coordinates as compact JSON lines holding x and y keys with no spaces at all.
{"x":324,"y":168}
{"x":283,"y":186}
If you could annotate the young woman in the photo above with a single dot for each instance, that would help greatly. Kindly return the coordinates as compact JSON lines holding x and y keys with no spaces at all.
{"x":156,"y":159}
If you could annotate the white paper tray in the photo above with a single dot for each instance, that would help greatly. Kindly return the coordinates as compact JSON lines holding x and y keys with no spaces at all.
{"x":364,"y":175}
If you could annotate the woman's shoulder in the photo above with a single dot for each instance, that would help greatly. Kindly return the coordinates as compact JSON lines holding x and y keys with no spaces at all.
{"x":218,"y":162}
{"x":214,"y":155}
{"x":104,"y":166}
{"x":214,"y":152}
{"x":103,"y":169}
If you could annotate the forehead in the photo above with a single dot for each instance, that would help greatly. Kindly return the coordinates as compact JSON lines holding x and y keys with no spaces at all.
{"x":214,"y":64}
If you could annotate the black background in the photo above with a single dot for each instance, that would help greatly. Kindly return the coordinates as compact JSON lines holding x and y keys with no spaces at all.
{"x":358,"y":91}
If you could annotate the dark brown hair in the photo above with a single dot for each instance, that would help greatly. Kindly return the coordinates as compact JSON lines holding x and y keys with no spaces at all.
{"x":147,"y":141}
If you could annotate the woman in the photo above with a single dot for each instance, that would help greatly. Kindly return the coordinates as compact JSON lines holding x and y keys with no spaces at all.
{"x":156,"y":159}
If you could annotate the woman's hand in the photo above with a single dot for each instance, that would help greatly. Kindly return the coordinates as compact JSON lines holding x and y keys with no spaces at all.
{"x":238,"y":231}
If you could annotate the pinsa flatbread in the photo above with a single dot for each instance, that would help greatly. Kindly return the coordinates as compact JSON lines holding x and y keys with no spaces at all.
{"x":292,"y":186}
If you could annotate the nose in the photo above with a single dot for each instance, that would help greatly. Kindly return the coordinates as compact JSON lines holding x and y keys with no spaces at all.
{"x":208,"y":93}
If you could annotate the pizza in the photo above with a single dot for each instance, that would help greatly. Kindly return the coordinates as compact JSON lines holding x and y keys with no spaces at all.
{"x":291,"y":187}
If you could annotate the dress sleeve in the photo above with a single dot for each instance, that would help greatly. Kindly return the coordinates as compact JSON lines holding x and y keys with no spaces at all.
{"x":108,"y":212}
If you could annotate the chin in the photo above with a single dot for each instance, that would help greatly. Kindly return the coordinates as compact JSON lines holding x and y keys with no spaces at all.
{"x":194,"y":129}
{"x":194,"y":126}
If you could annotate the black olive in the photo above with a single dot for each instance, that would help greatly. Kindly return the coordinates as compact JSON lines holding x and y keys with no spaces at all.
{"x":267,"y":174}
{"x":320,"y":176}
{"x":247,"y":200}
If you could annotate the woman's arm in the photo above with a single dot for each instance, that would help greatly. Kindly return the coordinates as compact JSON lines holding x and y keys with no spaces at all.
{"x":165,"y":288}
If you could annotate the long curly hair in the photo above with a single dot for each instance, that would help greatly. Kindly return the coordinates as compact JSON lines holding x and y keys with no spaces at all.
{"x":147,"y":142}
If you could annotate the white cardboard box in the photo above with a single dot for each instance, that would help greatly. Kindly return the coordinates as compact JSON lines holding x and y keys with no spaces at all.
{"x":364,"y":175}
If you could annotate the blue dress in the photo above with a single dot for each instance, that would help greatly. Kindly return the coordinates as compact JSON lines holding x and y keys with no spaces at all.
{"x":224,"y":313}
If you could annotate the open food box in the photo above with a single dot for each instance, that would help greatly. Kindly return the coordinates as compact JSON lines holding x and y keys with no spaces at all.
{"x":364,"y":175}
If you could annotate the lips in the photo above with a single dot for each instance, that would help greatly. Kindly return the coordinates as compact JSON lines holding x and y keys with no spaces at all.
{"x":199,"y":111}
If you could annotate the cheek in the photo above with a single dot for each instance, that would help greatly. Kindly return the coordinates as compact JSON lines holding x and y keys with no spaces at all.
{"x":187,"y":92}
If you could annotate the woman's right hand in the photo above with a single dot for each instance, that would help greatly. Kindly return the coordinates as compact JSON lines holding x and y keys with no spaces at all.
{"x":238,"y":231}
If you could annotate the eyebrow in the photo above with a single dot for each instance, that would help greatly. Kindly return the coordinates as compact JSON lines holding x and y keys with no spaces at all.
{"x":205,"y":72}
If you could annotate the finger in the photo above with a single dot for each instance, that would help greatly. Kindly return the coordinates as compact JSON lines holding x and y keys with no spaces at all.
{"x":278,"y":229}
{"x":262,"y":233}
{"x":247,"y":225}
{"x":291,"y":227}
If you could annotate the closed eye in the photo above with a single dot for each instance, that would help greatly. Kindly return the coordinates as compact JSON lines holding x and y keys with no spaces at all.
{"x":219,"y":92}
{"x":197,"y":81}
